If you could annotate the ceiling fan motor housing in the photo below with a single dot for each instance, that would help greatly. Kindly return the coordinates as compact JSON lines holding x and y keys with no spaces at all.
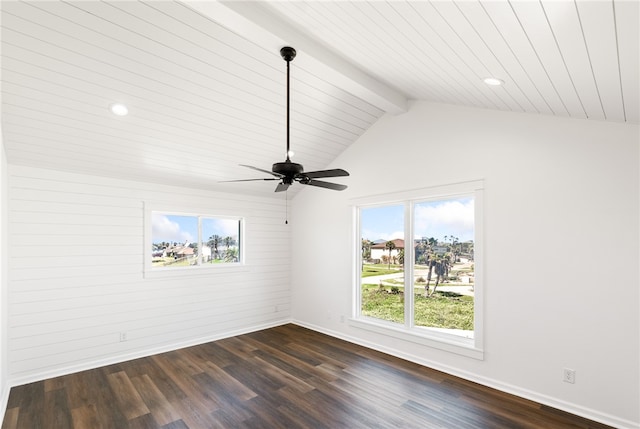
{"x":287,"y":168}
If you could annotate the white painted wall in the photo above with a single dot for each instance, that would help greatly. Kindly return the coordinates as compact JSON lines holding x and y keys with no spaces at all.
{"x":561,"y":248}
{"x":76,"y":273}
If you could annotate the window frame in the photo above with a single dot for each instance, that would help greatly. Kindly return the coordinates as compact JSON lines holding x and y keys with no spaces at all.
{"x":201,"y":268}
{"x":431,"y":337}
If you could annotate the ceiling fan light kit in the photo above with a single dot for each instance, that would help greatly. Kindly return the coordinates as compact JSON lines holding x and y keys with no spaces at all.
{"x":288,"y":172}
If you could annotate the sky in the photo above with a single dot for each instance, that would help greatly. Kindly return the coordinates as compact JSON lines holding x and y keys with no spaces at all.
{"x":452,"y":217}
{"x":183,"y":229}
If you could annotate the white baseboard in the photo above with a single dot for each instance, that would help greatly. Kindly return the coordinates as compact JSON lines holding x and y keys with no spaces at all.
{"x":57,"y":372}
{"x":485,"y":381}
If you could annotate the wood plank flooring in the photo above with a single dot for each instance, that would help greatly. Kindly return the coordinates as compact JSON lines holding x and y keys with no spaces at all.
{"x":284,"y":377}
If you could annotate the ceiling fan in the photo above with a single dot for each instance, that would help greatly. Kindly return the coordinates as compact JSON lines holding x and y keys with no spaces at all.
{"x":288,"y":172}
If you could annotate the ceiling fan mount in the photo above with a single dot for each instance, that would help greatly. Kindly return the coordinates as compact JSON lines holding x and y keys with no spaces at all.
{"x":288,"y":53}
{"x":288,"y":172}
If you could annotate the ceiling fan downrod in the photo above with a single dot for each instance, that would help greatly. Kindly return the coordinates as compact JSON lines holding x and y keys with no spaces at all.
{"x":288,"y":172}
{"x":288,"y":54}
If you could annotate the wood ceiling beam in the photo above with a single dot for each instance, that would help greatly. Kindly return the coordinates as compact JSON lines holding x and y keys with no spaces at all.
{"x":257,"y":23}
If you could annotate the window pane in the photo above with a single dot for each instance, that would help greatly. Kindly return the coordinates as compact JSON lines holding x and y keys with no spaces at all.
{"x":382,"y":277}
{"x":444,"y":265}
{"x":174,"y":240}
{"x":221,"y":240}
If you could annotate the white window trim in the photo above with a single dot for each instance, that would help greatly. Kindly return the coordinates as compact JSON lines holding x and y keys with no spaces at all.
{"x":150,"y":272}
{"x":431,"y":337}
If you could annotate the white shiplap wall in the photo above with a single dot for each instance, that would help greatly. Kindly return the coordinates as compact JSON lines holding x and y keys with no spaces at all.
{"x":4,"y":195}
{"x":76,"y":273}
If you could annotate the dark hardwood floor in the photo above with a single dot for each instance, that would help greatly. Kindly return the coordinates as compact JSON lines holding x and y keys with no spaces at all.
{"x":284,"y":377}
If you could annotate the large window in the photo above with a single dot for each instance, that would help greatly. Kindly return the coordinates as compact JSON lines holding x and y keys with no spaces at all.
{"x":180,"y":240}
{"x":382,"y":274}
{"x":418,"y":264}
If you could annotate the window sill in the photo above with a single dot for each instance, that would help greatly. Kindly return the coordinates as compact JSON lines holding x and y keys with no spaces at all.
{"x":435,"y":339}
{"x":201,"y":270}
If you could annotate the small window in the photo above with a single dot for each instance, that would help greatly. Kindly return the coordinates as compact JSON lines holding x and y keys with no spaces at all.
{"x":186,"y":241}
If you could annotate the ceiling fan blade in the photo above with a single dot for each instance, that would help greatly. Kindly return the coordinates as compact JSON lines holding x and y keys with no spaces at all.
{"x":328,"y":185}
{"x":248,"y":180}
{"x":282,"y":187}
{"x":338,"y":172}
{"x":260,"y":169}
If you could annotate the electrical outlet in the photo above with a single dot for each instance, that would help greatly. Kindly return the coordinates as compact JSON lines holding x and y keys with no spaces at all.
{"x":569,"y":375}
{"x":342,"y":318}
{"x":123,"y":336}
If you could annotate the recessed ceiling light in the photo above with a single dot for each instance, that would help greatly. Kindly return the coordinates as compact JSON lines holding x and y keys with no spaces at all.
{"x":493,"y":81}
{"x":119,"y":109}
{"x":290,"y":154}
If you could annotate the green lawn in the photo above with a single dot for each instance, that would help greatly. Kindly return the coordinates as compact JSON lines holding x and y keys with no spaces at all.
{"x":369,"y":270}
{"x":442,"y":310}
{"x":183,"y":262}
{"x":170,"y":262}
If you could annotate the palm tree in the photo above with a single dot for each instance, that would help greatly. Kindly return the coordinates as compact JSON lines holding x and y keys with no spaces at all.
{"x":440,"y":264}
{"x":228,"y":242}
{"x":390,"y":245}
{"x":231,"y":255}
{"x":366,"y":248}
{"x":431,"y":263}
{"x":420,"y":251}
{"x":214,"y":241}
{"x":454,"y":248}
{"x":366,"y":252}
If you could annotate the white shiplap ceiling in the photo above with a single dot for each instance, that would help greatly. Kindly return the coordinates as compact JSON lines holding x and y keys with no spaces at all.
{"x":205,"y":84}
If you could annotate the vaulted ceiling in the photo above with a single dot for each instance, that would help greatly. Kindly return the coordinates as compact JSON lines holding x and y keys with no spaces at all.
{"x":205,"y":84}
